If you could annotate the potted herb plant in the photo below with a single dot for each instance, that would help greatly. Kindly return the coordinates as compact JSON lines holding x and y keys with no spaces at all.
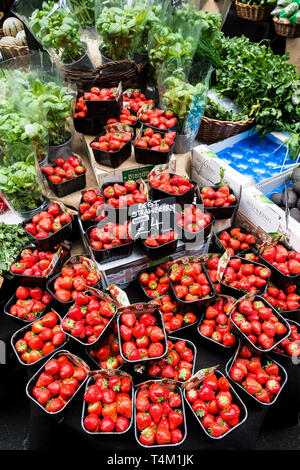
{"x":84,"y":11}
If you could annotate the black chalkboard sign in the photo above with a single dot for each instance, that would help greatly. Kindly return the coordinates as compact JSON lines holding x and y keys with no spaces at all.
{"x":153,"y":217}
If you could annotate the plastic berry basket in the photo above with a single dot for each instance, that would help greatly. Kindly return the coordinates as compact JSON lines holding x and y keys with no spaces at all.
{"x":19,"y":334}
{"x":288,"y":360}
{"x":221,"y":212}
{"x":121,"y":213}
{"x":76,"y":361}
{"x":87,"y":126}
{"x":278,"y":276}
{"x":177,"y":329}
{"x":12,"y":302}
{"x":266,"y":358}
{"x":178,"y":390}
{"x":237,"y":400}
{"x":50,"y":288}
{"x":275,"y":312}
{"x":206,"y":338}
{"x":195,"y":305}
{"x":239,"y":292}
{"x":149,"y":270}
{"x":160,"y":323}
{"x":110,"y":254}
{"x":111,"y":159}
{"x":86,"y":223}
{"x":185,"y":198}
{"x":157,"y":252}
{"x":46,"y":244}
{"x":67,"y":187}
{"x":190,"y":237}
{"x":108,"y":373}
{"x":104,"y":109}
{"x":37,"y":281}
{"x":152,"y":157}
{"x":221,"y":247}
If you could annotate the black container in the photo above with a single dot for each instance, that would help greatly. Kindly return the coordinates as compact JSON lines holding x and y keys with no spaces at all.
{"x":152,"y":157}
{"x":158,"y":252}
{"x":88,"y":222}
{"x":222,"y":212}
{"x":67,"y":187}
{"x":177,"y":390}
{"x":288,"y":360}
{"x":31,"y":384}
{"x":149,"y":270}
{"x":109,"y":254}
{"x":104,"y":110}
{"x":12,"y":302}
{"x":238,"y":292}
{"x":177,"y":329}
{"x":221,"y":247}
{"x":281,"y":319}
{"x":185,"y":198}
{"x":160,"y":323}
{"x":111,"y":159}
{"x":37,"y":281}
{"x":84,"y":407}
{"x":237,"y":400}
{"x":46,"y":244}
{"x":88,"y":126}
{"x":195,"y":305}
{"x":190,"y":237}
{"x":282,"y":279}
{"x":50,"y":288}
{"x":282,"y":373}
{"x":20,"y":335}
{"x":121,"y":213}
{"x":215,"y":343}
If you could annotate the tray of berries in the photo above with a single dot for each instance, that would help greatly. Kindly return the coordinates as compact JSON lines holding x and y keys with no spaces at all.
{"x":66,"y":177}
{"x":28,"y":303}
{"x":164,"y":184}
{"x":219,"y":201}
{"x":153,"y":148}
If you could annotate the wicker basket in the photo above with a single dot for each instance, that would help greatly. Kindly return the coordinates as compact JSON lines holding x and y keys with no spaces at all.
{"x":253,"y":12}
{"x":213,"y":130}
{"x":8,"y":52}
{"x":134,"y":77}
{"x":288,"y":30}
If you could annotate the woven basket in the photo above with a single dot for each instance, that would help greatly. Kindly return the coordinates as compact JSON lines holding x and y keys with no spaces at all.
{"x":213,"y":130}
{"x":253,"y":12}
{"x":8,"y":52}
{"x":134,"y":77}
{"x":288,"y":30}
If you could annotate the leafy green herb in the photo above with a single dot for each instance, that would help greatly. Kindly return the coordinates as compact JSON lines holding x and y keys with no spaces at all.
{"x":214,"y":110}
{"x":12,"y":239}
{"x":84,"y":10}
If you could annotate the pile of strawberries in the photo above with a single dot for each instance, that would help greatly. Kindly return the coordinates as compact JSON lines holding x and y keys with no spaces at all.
{"x":290,"y":345}
{"x":45,"y":223}
{"x":40,"y":339}
{"x":173,"y":318}
{"x":190,"y":282}
{"x":155,"y":141}
{"x":193,"y":219}
{"x":64,"y":170}
{"x":258,"y":323}
{"x":109,"y":236}
{"x":220,"y":198}
{"x":261,"y":381}
{"x":212,"y":270}
{"x":287,"y":262}
{"x":141,"y":337}
{"x":160,"y":239}
{"x":74,"y":279}
{"x":87,"y":319}
{"x":235,"y":240}
{"x":80,"y":107}
{"x":58,"y":382}
{"x":283,"y":299}
{"x":159,"y":415}
{"x":212,"y":402}
{"x":101,"y":94}
{"x":33,"y":262}
{"x":107,"y":350}
{"x":135,"y":100}
{"x":216,"y":323}
{"x":112,"y":141}
{"x":123,"y":194}
{"x":157,"y":118}
{"x":30,"y":304}
{"x":125,"y":118}
{"x":108,"y":404}
{"x":91,"y":207}
{"x":174,"y":185}
{"x":246,"y":276}
{"x":156,"y":283}
{"x":176,"y":365}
